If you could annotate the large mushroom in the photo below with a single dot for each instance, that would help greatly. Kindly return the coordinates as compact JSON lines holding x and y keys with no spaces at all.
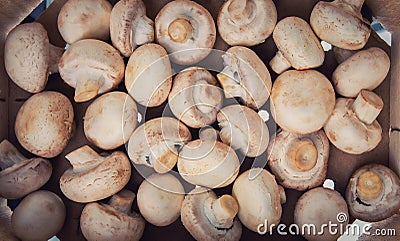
{"x":6,"y":232}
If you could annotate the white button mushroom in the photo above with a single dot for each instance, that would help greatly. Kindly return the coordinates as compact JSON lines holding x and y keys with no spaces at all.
{"x":246,"y":22}
{"x":6,"y":232}
{"x":94,"y":177}
{"x":92,"y":67}
{"x":186,"y":30}
{"x":129,"y":26}
{"x":110,"y":120}
{"x":44,"y":124}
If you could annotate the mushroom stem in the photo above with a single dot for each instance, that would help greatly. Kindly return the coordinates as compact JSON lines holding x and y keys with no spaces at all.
{"x":122,"y":201}
{"x":367,"y":106}
{"x":221,"y":212}
{"x":83,"y":158}
{"x":9,"y":155}
{"x":369,"y":187}
{"x":302,"y":154}
{"x":279,"y":63}
{"x":86,"y":89}
{"x":55,"y":56}
{"x":144,"y":31}
{"x":229,"y":81}
{"x":241,"y":11}
{"x":163,"y":157}
{"x":356,"y":5}
{"x":180,"y":30}
{"x":204,"y":96}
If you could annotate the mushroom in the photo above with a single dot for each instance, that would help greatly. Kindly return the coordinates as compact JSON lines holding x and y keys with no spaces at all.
{"x":342,"y":54}
{"x":294,"y":108}
{"x":243,"y":129}
{"x":129,"y":26}
{"x":299,"y":161}
{"x":92,"y":67}
{"x":259,"y":198}
{"x":29,"y":58}
{"x":44,"y":124}
{"x":112,"y":221}
{"x":373,"y":192}
{"x":195,"y":99}
{"x":245,"y":76}
{"x":20,"y":175}
{"x":160,"y":198}
{"x":208,"y":163}
{"x":94,"y":177}
{"x":365,"y":69}
{"x":84,"y":19}
{"x":110,"y":120}
{"x":298,"y":47}
{"x":5,"y":222}
{"x":208,"y":217}
{"x":209,"y":133}
{"x":148,"y":75}
{"x":186,"y":30}
{"x":156,"y":143}
{"x":39,"y":216}
{"x":353,"y":127}
{"x":340,"y":23}
{"x":246,"y":22}
{"x":320,"y":207}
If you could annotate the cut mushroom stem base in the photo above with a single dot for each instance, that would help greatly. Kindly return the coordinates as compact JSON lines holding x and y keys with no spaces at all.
{"x":180,"y":30}
{"x":302,"y":155}
{"x":9,"y":155}
{"x":86,"y":90}
{"x":222,"y":211}
{"x":84,"y":158}
{"x":279,"y":63}
{"x":122,"y":201}
{"x":55,"y":56}
{"x":369,"y":187}
{"x":367,"y":106}
{"x":144,"y":31}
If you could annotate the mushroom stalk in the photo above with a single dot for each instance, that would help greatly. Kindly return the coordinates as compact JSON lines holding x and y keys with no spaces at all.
{"x":9,"y":155}
{"x":180,"y":30}
{"x":302,"y":154}
{"x":204,"y":96}
{"x":55,"y":56}
{"x":279,"y":63}
{"x":370,"y":187}
{"x":230,"y":82}
{"x":356,"y":5}
{"x":86,"y":89}
{"x":84,"y":158}
{"x":122,"y":201}
{"x":222,"y":211}
{"x":367,"y":106}
{"x":241,"y":11}
{"x":163,"y":156}
{"x":144,"y":31}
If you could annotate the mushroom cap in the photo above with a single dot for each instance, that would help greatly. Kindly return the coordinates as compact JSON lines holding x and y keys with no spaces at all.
{"x":252,"y":29}
{"x":110,"y":120}
{"x":387,"y":205}
{"x":160,"y":198}
{"x":194,"y":218}
{"x":39,"y":216}
{"x":5,"y":222}
{"x":198,"y":44}
{"x":44,"y":123}
{"x":84,"y":19}
{"x":318,"y":207}
{"x":347,"y":133}
{"x":365,"y":69}
{"x":208,"y":163}
{"x":294,"y":108}
{"x":281,"y":160}
{"x":258,"y":197}
{"x":243,"y":129}
{"x":148,"y":75}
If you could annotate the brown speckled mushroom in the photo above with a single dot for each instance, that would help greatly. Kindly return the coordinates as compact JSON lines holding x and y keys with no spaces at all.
{"x":208,"y":217}
{"x":5,"y":222}
{"x":44,"y":124}
{"x":373,"y":193}
{"x":113,"y":221}
{"x":94,"y":177}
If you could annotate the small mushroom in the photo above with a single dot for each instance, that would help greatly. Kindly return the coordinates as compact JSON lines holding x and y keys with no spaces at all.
{"x":259,"y":198}
{"x":294,"y":108}
{"x":245,"y":76}
{"x":195,"y":99}
{"x":340,"y":23}
{"x":94,"y":177}
{"x":39,"y":216}
{"x":208,"y":217}
{"x":160,"y":198}
{"x":110,"y":120}
{"x":298,"y":47}
{"x":321,"y":207}
{"x":246,"y":22}
{"x":186,"y":30}
{"x":29,"y":58}
{"x":44,"y":124}
{"x":243,"y":129}
{"x":353,"y":127}
{"x":148,"y":75}
{"x":20,"y":175}
{"x":373,"y":193}
{"x":84,"y":19}
{"x":92,"y":67}
{"x":129,"y":26}
{"x":112,"y":221}
{"x":299,"y":161}
{"x":365,"y":69}
{"x":156,"y":143}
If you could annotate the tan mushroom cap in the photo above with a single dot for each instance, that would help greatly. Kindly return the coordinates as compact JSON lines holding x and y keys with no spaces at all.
{"x":39,"y":216}
{"x":302,"y":101}
{"x":94,"y":177}
{"x":186,"y":30}
{"x":84,"y":19}
{"x":373,"y":193}
{"x":44,"y":124}
{"x":246,"y":22}
{"x":299,"y":161}
{"x":129,"y":26}
{"x":5,"y":222}
{"x":113,"y":221}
